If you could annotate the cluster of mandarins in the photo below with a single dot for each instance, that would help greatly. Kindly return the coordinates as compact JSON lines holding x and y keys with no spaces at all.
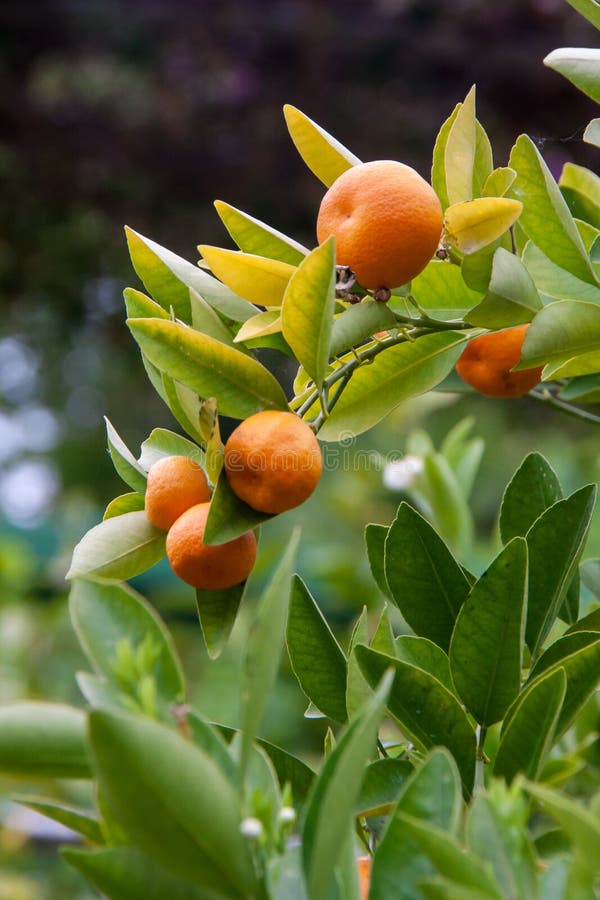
{"x":272,"y":461}
{"x":387,"y":222}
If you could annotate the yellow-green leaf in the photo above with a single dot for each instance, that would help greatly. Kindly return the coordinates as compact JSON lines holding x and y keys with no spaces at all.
{"x":240,"y":384}
{"x":307,"y":311}
{"x":581,"y":189}
{"x":566,"y":336}
{"x":256,"y":278}
{"x":581,"y":65}
{"x":591,"y":135}
{"x":499,"y":182}
{"x":321,"y":152}
{"x":267,"y":322}
{"x":459,"y":156}
{"x":253,"y":236}
{"x":476,"y":223}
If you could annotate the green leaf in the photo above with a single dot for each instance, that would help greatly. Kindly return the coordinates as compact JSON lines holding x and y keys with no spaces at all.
{"x":426,"y":710}
{"x":43,"y":740}
{"x":564,"y":646}
{"x":459,"y":153}
{"x":512,"y":298}
{"x":286,"y":878}
{"x":591,"y":135}
{"x":118,"y":548}
{"x":449,"y":509}
{"x":494,"y":838}
{"x":463,"y":454}
{"x":168,"y":278}
{"x":580,"y":65}
{"x":546,"y":218}
{"x":581,"y":189}
{"x":584,"y":389}
{"x":425,"y":581}
{"x":590,"y":574}
{"x":474,"y":224}
{"x":375,"y":536}
{"x":258,"y":279}
{"x":217,"y":611}
{"x":147,"y":773}
{"x":580,"y":825}
{"x":240,"y":384}
{"x":316,"y":657}
{"x":426,"y":655}
{"x":438,"y":168}
{"x":359,"y":322}
{"x":79,"y":820}
{"x":263,"y":649}
{"x":487,"y":642}
{"x":267,"y":322}
{"x":587,"y":8}
{"x":211,"y":740}
{"x":566,"y":336}
{"x":334,"y":794}
{"x":581,"y":668}
{"x":402,"y":371}
{"x":382,"y":782}
{"x":383,"y":639}
{"x":323,"y":155}
{"x":139,"y":306}
{"x":124,"y":461}
{"x":432,"y":794}
{"x":591,"y":622}
{"x":554,"y":282}
{"x":253,"y":236}
{"x":532,"y":490}
{"x":124,"y":503}
{"x":442,"y":292}
{"x":105,"y":614}
{"x":358,"y":689}
{"x":206,"y":320}
{"x":555,"y":542}
{"x":448,"y":856}
{"x":228,"y":516}
{"x":499,"y":182}
{"x":161,"y":442}
{"x":528,"y":736}
{"x":124,"y":873}
{"x":184,"y":403}
{"x":307,"y":310}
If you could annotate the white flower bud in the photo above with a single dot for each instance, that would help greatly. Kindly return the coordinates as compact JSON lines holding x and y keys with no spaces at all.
{"x":251,"y":828}
{"x":401,"y":474}
{"x":287,"y":815}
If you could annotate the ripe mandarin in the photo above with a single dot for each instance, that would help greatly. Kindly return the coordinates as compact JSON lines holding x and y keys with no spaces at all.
{"x":211,"y":568}
{"x":386,"y":220}
{"x":174,"y":484}
{"x":273,"y":461}
{"x":487,"y":361}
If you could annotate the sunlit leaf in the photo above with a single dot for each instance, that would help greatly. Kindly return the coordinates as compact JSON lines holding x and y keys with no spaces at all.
{"x":206,"y":320}
{"x":168,"y":278}
{"x":459,"y":154}
{"x":402,"y":371}
{"x":581,"y":189}
{"x":580,"y":65}
{"x":258,"y":279}
{"x":120,"y":547}
{"x":546,"y":218}
{"x":124,"y":503}
{"x":253,"y":236}
{"x":307,"y":310}
{"x":442,"y":292}
{"x":499,"y":182}
{"x":321,"y":152}
{"x":591,"y":135}
{"x":161,"y":443}
{"x":589,"y":9}
{"x":124,"y":461}
{"x":267,"y":322}
{"x":566,"y":336}
{"x":240,"y":384}
{"x":555,"y":282}
{"x":475,"y":223}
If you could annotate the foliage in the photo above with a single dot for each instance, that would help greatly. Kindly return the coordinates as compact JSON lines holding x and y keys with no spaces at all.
{"x":447,"y":743}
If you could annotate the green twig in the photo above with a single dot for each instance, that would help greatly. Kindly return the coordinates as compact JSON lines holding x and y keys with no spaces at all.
{"x":543,"y":395}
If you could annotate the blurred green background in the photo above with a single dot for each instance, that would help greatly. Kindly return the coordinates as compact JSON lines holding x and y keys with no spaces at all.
{"x":143,"y":113}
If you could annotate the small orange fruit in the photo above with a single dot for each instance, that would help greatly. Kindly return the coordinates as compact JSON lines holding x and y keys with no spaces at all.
{"x":174,"y":484}
{"x":273,"y":461}
{"x":364,"y":875}
{"x":487,"y":361}
{"x":386,"y":220}
{"x":211,"y":568}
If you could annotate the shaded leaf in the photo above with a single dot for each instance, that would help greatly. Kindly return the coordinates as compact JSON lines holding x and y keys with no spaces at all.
{"x":533,"y":489}
{"x":359,"y":322}
{"x":382,"y":782}
{"x":124,"y":503}
{"x":124,"y":461}
{"x":161,"y":442}
{"x":228,"y":516}
{"x":425,"y":581}
{"x":511,"y":299}
{"x":528,"y":736}
{"x":316,"y":657}
{"x":426,"y":655}
{"x":79,"y":820}
{"x":217,"y":611}
{"x":43,"y":740}
{"x":375,"y":536}
{"x":566,"y":336}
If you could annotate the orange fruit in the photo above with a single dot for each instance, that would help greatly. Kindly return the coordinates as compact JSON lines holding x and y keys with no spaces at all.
{"x":174,"y":484}
{"x":487,"y":361}
{"x":273,"y":461}
{"x":364,"y":875}
{"x":211,"y":568}
{"x":386,"y":220}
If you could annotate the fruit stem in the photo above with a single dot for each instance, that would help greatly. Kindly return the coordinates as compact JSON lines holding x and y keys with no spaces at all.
{"x":544,"y":396}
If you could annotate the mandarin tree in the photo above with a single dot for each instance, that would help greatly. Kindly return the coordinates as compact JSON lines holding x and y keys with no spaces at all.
{"x":460,"y":730}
